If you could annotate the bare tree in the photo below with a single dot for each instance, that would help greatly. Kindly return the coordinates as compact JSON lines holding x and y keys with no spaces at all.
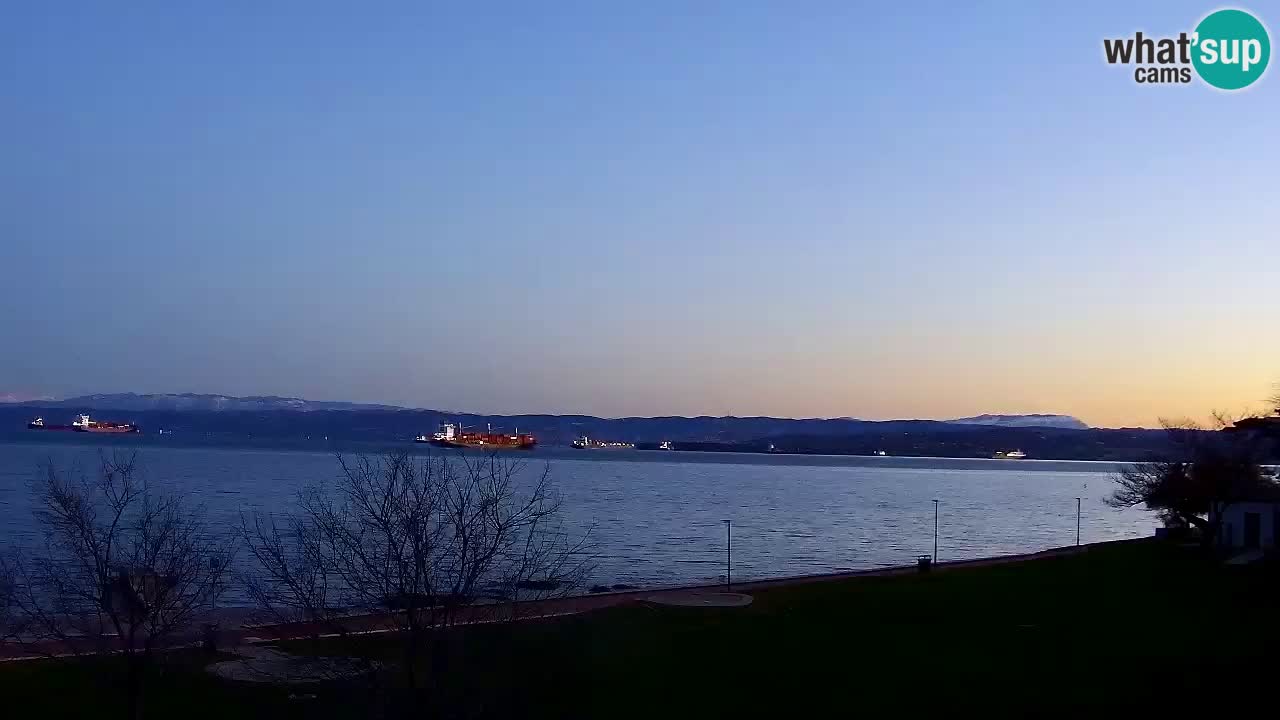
{"x":6,"y":599}
{"x":418,"y":543}
{"x":1209,"y":470}
{"x":122,"y":570}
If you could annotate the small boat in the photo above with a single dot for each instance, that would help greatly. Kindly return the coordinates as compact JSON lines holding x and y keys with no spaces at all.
{"x":1011,"y":455}
{"x":666,"y":445}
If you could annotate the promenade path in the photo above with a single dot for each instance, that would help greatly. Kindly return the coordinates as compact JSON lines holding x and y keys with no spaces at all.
{"x":242,"y":626}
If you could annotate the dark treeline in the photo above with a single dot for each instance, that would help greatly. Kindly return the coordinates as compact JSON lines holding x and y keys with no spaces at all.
{"x":975,"y":442}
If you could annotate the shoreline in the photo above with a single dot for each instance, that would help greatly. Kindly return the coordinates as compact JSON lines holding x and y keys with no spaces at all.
{"x":247,"y":632}
{"x":130,"y":442}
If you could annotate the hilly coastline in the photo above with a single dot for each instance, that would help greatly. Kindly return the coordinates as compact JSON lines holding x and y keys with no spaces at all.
{"x":295,"y":421}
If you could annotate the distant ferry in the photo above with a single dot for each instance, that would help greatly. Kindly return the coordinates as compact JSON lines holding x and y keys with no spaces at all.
{"x":586,"y":443}
{"x":454,"y":436}
{"x":83,"y":423}
{"x":1011,"y":455}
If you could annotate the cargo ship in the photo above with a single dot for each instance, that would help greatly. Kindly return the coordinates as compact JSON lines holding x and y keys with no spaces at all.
{"x":586,"y":443}
{"x":454,"y":436}
{"x":83,"y":423}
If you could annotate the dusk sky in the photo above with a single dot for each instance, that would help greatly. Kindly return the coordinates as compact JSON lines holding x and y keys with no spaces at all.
{"x":876,"y":210}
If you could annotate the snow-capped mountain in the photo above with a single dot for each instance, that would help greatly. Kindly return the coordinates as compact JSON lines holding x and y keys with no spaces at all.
{"x":1054,"y":421}
{"x":204,"y":402}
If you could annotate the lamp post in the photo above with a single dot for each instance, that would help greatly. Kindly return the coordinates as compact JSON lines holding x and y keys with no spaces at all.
{"x":728,"y":555}
{"x":935,"y":531}
{"x":1077,"y":522}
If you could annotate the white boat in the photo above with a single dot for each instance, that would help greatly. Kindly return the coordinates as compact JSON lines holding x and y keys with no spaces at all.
{"x":586,"y":443}
{"x":1011,"y":455}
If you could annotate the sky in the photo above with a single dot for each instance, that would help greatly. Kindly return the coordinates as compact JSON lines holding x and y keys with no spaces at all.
{"x":814,"y":209}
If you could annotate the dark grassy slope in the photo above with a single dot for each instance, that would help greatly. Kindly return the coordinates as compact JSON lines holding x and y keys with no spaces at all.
{"x":1138,"y":626}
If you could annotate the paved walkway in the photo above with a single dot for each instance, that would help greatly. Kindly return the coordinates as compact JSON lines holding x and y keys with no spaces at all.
{"x":239,"y":628}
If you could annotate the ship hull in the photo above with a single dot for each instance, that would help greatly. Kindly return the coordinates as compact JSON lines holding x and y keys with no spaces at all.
{"x":481,"y":445}
{"x":86,"y":425}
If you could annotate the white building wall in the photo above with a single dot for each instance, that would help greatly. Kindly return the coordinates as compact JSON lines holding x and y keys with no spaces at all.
{"x":1233,"y":521}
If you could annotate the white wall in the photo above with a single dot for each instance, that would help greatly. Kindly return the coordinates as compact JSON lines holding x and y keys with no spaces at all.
{"x":1233,"y":523}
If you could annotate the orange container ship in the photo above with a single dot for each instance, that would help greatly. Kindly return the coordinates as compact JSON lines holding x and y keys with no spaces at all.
{"x":453,"y":436}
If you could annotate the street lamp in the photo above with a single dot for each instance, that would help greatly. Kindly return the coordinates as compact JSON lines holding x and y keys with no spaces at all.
{"x":1077,"y":522}
{"x":728,"y":555}
{"x":935,"y":531}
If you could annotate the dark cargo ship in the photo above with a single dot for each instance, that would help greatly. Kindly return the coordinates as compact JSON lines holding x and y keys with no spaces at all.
{"x":586,"y":443}
{"x":453,"y":436}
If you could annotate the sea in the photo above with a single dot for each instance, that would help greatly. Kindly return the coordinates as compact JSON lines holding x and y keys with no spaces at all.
{"x":657,"y":518}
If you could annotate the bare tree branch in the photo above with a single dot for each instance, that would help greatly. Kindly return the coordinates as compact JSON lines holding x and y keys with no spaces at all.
{"x":121,"y":569}
{"x":1209,"y":470}
{"x":426,"y":541}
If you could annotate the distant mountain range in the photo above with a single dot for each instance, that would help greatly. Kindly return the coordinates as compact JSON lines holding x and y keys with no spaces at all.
{"x":9,"y":398}
{"x":194,"y":402}
{"x":1055,"y":421}
{"x":269,"y":421}
{"x":199,"y":403}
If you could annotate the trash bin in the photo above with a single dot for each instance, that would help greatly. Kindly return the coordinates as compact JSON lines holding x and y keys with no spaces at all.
{"x":924,"y":562}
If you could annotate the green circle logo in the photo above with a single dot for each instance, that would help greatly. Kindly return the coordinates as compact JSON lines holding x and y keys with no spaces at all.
{"x":1231,"y":49}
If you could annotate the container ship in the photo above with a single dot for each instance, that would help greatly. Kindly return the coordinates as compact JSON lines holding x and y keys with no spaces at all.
{"x":83,"y":423}
{"x":586,"y":443}
{"x":454,"y":436}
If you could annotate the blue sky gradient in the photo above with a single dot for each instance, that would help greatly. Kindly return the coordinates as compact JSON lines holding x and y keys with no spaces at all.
{"x":808,"y":209}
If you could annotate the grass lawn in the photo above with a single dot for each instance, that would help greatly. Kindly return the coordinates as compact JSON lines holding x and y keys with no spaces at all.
{"x":1122,"y":628}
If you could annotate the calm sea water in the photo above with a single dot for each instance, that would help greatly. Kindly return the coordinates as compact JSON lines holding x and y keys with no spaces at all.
{"x":656,"y":517}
